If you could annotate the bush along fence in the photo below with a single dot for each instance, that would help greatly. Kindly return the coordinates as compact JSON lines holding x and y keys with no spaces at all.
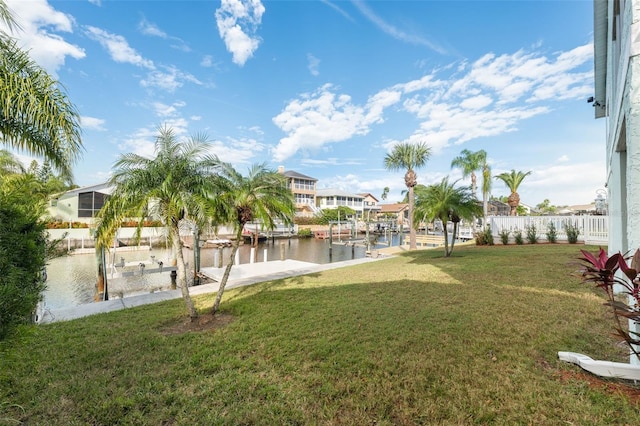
{"x":586,"y":229}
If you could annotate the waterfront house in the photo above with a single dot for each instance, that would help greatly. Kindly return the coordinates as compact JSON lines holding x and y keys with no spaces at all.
{"x":304,"y":191}
{"x":80,"y":204}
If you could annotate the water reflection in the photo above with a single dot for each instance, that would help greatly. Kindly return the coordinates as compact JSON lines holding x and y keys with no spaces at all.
{"x":71,"y":279}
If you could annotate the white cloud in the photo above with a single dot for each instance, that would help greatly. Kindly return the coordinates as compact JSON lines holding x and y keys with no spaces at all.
{"x":323,"y":117}
{"x":394,"y":31}
{"x":238,"y":151}
{"x":169,"y":80}
{"x":150,"y":29}
{"x":481,"y":99}
{"x":314,"y":63}
{"x":92,"y":123}
{"x":237,"y":22}
{"x":207,"y":61}
{"x":164,"y":110}
{"x":569,"y":184}
{"x":40,"y":23}
{"x":119,"y":48}
{"x":337,"y":9}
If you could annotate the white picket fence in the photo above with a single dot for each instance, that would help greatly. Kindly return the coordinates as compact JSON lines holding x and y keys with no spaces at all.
{"x":593,"y":229}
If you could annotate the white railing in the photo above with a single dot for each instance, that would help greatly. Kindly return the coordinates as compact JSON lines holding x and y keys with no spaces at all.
{"x":593,"y":229}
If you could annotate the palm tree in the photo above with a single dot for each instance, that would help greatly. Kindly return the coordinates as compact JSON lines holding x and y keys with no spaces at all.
{"x":171,"y":186}
{"x":260,"y":196}
{"x":35,"y":114}
{"x":513,"y":181}
{"x":486,"y":191}
{"x":385,"y":193}
{"x":446,"y":202}
{"x":469,"y":162}
{"x":409,"y":156}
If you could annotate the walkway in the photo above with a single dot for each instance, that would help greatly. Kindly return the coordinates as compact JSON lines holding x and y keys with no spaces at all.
{"x":241,"y":275}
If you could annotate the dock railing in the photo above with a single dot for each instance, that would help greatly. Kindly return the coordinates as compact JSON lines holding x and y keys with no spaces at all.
{"x":593,"y":229}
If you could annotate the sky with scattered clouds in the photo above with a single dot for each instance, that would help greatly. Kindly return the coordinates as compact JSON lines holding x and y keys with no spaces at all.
{"x":327,"y":88}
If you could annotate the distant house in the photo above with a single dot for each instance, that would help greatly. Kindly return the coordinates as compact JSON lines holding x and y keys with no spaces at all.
{"x":304,"y":191}
{"x":399,"y":212}
{"x":498,"y":208}
{"x":80,"y":204}
{"x":334,"y":198}
{"x":371,"y":206}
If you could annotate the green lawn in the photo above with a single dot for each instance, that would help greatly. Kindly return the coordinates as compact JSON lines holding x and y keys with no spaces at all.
{"x":416,"y":339}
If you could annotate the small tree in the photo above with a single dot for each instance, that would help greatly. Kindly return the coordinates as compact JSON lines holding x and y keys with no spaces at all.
{"x":504,"y":236}
{"x":261,"y":195}
{"x":449,"y":204}
{"x":517,"y":236}
{"x":532,"y":234}
{"x":572,"y":231}
{"x":22,"y":253}
{"x":552,"y":235}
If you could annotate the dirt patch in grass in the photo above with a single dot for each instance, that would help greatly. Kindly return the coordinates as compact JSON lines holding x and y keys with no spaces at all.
{"x":205,"y":322}
{"x":629,"y":390}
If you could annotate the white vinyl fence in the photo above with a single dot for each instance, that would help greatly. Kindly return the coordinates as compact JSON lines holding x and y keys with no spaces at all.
{"x":593,"y":229}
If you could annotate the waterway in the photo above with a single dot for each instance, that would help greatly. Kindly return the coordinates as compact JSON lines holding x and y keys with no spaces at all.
{"x":71,"y":280}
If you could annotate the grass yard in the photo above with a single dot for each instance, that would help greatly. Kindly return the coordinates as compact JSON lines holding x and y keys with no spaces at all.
{"x":415,"y":339}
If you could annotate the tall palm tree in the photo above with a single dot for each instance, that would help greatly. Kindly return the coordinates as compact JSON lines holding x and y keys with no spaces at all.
{"x":449,"y":204}
{"x":261,"y":196}
{"x":470,"y":162}
{"x":385,"y":193}
{"x":35,"y":114}
{"x":408,"y":156}
{"x":486,"y":191}
{"x":171,"y":186}
{"x":513,"y":181}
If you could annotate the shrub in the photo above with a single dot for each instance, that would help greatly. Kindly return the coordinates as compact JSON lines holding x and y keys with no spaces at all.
{"x":572,"y":231}
{"x":552,"y":235}
{"x":601,"y":270}
{"x":305,"y":233}
{"x":315,"y":220}
{"x":517,"y":236}
{"x":532,"y":233}
{"x":485,"y":237}
{"x":22,"y":261}
{"x":504,"y":236}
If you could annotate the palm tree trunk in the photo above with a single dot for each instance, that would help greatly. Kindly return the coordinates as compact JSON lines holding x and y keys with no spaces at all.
{"x":485,"y":209}
{"x":182,"y":273}
{"x":227,"y":272}
{"x":446,"y":238}
{"x":453,"y":238}
{"x":412,"y":230}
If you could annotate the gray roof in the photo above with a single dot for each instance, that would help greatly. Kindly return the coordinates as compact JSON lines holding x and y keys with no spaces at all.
{"x":296,"y":175}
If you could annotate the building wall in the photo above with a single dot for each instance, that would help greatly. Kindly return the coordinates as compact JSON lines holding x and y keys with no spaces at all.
{"x":623,"y":130}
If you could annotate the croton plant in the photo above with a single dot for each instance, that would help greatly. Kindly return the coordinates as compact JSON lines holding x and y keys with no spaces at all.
{"x":615,"y":275}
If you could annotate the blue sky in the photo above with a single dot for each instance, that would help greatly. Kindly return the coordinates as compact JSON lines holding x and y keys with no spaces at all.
{"x":326,"y":88}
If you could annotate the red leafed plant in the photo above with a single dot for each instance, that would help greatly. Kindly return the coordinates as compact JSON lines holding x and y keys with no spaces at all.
{"x":608,"y":271}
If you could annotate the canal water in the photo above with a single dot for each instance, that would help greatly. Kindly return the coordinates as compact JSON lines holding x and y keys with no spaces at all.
{"x":71,"y":280}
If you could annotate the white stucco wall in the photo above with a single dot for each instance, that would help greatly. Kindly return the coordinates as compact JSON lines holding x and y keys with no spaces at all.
{"x":623,"y":130}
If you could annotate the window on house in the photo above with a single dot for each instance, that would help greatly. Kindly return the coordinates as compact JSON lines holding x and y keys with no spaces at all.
{"x":89,"y":203}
